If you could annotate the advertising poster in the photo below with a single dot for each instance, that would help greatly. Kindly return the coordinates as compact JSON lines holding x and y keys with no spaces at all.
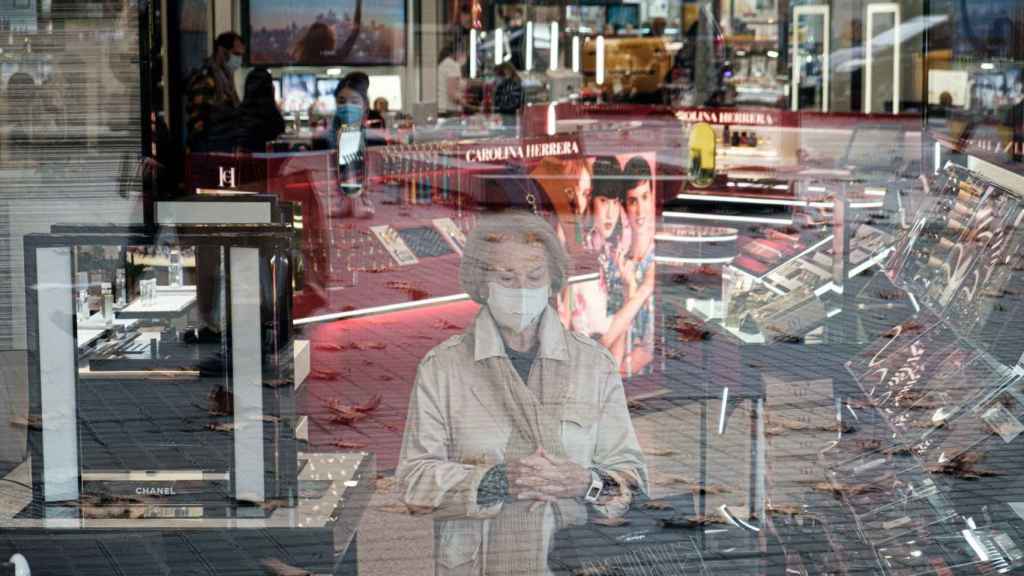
{"x":605,"y":208}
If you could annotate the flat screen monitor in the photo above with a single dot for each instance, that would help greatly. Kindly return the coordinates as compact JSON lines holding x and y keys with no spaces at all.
{"x":622,"y":15}
{"x":586,"y":19}
{"x":325,"y":88}
{"x":298,"y":92}
{"x":326,"y":33}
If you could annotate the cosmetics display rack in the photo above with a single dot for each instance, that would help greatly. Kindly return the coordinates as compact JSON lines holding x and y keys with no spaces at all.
{"x":938,"y":384}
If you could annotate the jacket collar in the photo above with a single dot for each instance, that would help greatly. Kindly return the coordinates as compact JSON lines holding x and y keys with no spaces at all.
{"x":488,"y":343}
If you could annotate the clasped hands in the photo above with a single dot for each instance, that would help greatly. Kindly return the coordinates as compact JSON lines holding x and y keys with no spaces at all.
{"x":546,"y":478}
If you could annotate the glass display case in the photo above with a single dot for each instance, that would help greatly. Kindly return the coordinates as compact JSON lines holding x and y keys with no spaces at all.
{"x":167,"y":403}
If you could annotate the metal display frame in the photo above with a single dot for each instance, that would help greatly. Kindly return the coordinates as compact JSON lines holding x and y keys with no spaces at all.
{"x":257,"y":363}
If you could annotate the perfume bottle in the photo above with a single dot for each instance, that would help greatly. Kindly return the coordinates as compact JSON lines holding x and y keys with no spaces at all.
{"x":174,"y":270}
{"x":121,"y":287}
{"x":82,"y":303}
{"x":108,"y":304}
{"x":148,"y":290}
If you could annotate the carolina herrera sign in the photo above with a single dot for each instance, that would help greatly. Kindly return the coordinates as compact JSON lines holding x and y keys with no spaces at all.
{"x":526,"y":151}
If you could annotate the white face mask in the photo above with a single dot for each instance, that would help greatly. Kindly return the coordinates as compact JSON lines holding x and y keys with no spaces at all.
{"x":233,"y":63}
{"x":516,"y":308}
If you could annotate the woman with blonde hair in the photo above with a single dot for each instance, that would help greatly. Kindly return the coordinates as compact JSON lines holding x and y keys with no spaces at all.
{"x":518,"y":426}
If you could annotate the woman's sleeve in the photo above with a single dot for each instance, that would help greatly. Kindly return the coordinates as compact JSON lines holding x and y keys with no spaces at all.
{"x":618,"y":451}
{"x":429,"y":481}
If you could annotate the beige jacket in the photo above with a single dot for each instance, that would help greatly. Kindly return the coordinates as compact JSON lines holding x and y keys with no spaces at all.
{"x":457,"y":429}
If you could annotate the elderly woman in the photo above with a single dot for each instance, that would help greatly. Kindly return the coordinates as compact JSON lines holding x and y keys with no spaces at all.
{"x":516,"y":426}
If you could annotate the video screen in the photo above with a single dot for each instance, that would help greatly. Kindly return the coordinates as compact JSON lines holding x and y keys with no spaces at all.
{"x":586,"y":19}
{"x":298,"y":92}
{"x":325,"y":88}
{"x":622,"y":15}
{"x":326,"y":33}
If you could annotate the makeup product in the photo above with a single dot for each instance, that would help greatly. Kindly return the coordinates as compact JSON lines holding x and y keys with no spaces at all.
{"x":175,"y":271}
{"x":762,"y":251}
{"x":121,"y":287}
{"x":108,"y":305}
{"x":82,"y":302}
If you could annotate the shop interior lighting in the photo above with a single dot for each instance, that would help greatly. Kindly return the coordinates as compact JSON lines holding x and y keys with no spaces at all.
{"x":814,"y":247}
{"x":772,"y":54}
{"x":552,"y":119}
{"x":721,"y":412}
{"x":988,"y":66}
{"x":553,"y":65}
{"x":708,"y":261}
{"x":529,"y":46}
{"x":695,"y":239}
{"x":499,"y":45}
{"x":817,"y":11}
{"x":576,"y":54}
{"x":755,"y":185}
{"x":729,"y":218}
{"x":333,"y":72}
{"x":873,"y":10}
{"x":600,"y":60}
{"x":828,"y":287}
{"x":408,"y":305}
{"x":870,"y":262}
{"x":472,"y":53}
{"x":735,"y":200}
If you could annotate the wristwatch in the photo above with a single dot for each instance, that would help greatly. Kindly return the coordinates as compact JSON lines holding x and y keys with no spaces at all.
{"x":596,"y":486}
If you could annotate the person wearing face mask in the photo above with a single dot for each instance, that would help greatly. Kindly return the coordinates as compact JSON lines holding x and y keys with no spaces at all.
{"x":212,"y":101}
{"x":516,"y":428}
{"x":352,"y":107}
{"x":347,"y":135}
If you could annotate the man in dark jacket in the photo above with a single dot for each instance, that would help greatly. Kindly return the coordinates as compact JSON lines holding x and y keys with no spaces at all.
{"x":212,"y":104}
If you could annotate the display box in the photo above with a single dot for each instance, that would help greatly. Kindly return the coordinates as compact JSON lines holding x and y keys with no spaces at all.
{"x":124,"y":408}
{"x":955,"y":261}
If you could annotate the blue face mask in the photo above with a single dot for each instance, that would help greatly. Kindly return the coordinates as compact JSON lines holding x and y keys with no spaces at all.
{"x":348,"y":115}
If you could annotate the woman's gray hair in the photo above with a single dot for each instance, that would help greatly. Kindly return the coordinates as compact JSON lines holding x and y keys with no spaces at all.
{"x":509,"y":226}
